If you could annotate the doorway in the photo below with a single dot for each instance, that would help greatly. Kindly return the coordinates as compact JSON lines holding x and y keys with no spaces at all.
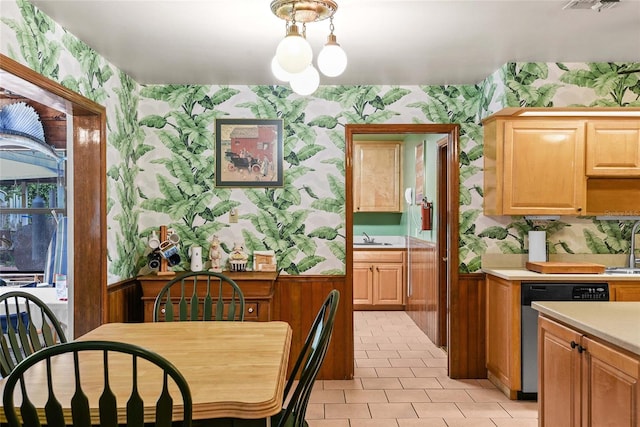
{"x":447,"y":214}
{"x":87,"y":252}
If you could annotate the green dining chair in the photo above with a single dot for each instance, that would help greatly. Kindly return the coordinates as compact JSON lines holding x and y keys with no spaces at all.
{"x":52,"y":413}
{"x":29,"y":326}
{"x":199,"y":295}
{"x":308,"y":364}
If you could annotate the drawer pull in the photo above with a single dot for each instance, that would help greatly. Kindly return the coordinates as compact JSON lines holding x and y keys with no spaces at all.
{"x":250,"y":310}
{"x":162,"y":310}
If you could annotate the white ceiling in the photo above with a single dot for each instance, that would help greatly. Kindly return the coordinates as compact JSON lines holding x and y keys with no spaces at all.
{"x":400,"y":42}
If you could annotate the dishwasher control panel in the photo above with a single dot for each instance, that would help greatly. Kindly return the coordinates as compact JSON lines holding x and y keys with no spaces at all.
{"x":599,"y":292}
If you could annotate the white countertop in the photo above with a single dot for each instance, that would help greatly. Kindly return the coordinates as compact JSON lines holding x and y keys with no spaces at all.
{"x":524,"y":274}
{"x":615,"y":322}
{"x":389,"y":242}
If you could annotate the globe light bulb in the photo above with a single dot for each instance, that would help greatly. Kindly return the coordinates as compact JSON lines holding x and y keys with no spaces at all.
{"x":332,"y":60}
{"x":294,"y":52}
{"x":278,"y":72}
{"x":306,"y":82}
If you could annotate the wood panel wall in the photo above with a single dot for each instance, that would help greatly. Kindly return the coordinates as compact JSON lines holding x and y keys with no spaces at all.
{"x":422,"y":301}
{"x":467,"y":337}
{"x":297,"y":300}
{"x":124,"y":302}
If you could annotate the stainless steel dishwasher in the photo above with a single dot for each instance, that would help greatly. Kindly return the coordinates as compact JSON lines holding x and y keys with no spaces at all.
{"x":566,"y":291}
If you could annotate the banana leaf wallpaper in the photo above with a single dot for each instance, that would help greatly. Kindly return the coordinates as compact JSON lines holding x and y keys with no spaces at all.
{"x":161,"y":156}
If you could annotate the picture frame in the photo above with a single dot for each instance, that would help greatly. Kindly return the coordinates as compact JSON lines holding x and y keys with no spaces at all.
{"x":249,"y":152}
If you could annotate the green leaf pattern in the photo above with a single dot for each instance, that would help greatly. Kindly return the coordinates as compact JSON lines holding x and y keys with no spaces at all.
{"x":160,"y":163}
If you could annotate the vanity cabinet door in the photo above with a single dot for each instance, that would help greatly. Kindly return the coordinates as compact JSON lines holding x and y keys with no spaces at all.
{"x":377,"y":176}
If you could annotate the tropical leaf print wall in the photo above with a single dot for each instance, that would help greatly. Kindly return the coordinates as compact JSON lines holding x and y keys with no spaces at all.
{"x":160,"y":155}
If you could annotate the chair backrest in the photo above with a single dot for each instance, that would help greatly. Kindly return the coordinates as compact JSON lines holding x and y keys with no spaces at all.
{"x":200,"y":295}
{"x":79,"y":402}
{"x":28,"y":325}
{"x":308,"y":364}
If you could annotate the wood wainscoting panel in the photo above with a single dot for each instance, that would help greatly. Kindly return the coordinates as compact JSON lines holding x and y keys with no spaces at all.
{"x":467,"y":336}
{"x":297,"y":300}
{"x":422,"y":301}
{"x":124,"y":302}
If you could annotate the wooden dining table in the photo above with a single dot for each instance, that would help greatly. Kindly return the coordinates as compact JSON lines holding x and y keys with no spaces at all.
{"x":234,"y":369}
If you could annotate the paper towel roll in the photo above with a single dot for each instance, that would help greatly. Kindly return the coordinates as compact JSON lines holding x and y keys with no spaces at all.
{"x":537,"y":246}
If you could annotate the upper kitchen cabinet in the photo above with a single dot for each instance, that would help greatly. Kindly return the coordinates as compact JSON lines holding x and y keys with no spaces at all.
{"x":613,"y":148}
{"x":377,"y":176}
{"x":551,"y":161}
{"x":533,"y":167}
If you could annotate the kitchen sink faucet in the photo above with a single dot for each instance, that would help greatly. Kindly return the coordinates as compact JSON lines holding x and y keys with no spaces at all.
{"x":368,"y":239}
{"x":633,"y":260}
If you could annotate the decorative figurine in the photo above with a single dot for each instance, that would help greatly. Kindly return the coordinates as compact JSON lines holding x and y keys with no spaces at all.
{"x":238,"y":258}
{"x":214,"y":255}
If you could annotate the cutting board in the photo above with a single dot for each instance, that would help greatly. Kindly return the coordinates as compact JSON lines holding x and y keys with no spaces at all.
{"x":565,"y":267}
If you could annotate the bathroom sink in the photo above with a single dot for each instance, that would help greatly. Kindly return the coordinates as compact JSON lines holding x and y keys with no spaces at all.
{"x":622,"y":270}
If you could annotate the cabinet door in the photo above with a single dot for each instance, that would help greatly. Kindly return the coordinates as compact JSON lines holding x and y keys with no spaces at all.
{"x":558,"y":375}
{"x":613,"y":148}
{"x":377,"y":177}
{"x":503,"y":334}
{"x":544,"y":167}
{"x":611,"y":387}
{"x":362,"y":283}
{"x":624,"y":291}
{"x":388,"y":284}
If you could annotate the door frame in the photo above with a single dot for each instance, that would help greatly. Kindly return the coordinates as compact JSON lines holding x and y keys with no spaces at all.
{"x":89,"y":229}
{"x":448,"y":216}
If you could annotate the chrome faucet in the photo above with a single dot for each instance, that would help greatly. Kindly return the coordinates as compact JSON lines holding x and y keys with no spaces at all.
{"x":368,"y":239}
{"x":633,"y":260}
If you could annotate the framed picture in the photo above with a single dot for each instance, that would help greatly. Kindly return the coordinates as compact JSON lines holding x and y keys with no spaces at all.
{"x":248,"y":153}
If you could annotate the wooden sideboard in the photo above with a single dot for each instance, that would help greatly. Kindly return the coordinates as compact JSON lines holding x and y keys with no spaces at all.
{"x":257,"y":287}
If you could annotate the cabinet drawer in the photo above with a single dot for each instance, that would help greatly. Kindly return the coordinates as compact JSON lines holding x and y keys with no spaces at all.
{"x":251,"y":310}
{"x":378,"y":256}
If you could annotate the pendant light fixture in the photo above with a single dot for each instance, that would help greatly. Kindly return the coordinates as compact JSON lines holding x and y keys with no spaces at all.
{"x":293,"y":59}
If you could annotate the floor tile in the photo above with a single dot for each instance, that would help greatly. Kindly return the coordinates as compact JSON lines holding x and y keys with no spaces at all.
{"x":360,"y":422}
{"x":521,"y":409}
{"x":400,"y":380}
{"x":482,"y":410}
{"x":515,"y":422}
{"x":422,"y":422}
{"x":437,"y":410}
{"x":381,"y":383}
{"x":365,"y":396}
{"x":395,"y":372}
{"x":346,"y":410}
{"x":392,"y":410}
{"x":327,"y":396}
{"x":407,"y":396}
{"x":419,"y":383}
{"x":469,"y":422}
{"x":449,"y":396}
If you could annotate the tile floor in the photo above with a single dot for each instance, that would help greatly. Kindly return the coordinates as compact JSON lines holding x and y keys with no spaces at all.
{"x":401,"y":380}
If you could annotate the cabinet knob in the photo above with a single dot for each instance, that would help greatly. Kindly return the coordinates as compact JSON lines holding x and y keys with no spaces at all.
{"x":579,"y":209}
{"x":573,"y":344}
{"x":162,"y":310}
{"x":250,"y":310}
{"x":371,"y":268}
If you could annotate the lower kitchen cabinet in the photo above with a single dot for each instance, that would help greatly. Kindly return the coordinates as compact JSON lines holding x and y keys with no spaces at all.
{"x":624,"y":291}
{"x":378,"y":279}
{"x":585,"y":382}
